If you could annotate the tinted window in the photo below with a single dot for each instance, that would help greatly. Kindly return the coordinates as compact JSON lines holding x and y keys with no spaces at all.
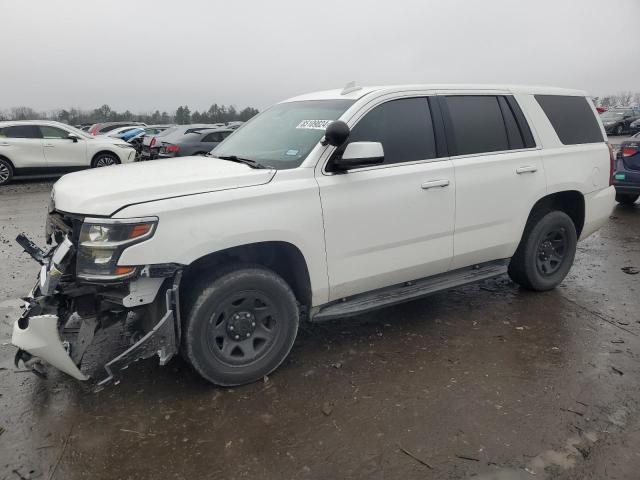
{"x":404,"y":128}
{"x":52,"y":132}
{"x":213,"y":137}
{"x":572,"y":118}
{"x":477,"y":123}
{"x":21,"y":131}
{"x":109,"y":128}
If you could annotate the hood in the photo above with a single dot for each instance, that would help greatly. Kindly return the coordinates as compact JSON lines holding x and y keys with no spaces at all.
{"x":103,"y":191}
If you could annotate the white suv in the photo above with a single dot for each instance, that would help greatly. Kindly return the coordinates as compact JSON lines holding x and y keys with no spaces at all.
{"x":38,"y":146}
{"x":323,"y":206}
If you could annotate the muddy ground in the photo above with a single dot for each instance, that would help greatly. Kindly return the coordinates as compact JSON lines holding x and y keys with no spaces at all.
{"x":487,"y":381}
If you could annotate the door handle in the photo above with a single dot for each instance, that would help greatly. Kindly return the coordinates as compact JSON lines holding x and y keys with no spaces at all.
{"x":4,"y":144}
{"x":48,"y":145}
{"x":434,"y":184}
{"x":526,"y":169}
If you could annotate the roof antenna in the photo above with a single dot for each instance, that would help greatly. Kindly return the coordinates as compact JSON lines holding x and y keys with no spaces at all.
{"x":350,"y":87}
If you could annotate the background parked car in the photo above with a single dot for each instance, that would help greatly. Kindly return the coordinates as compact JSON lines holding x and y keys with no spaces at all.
{"x":102,"y":128}
{"x":635,"y":126}
{"x":118,"y":132}
{"x":35,"y":146}
{"x":626,"y":176}
{"x":617,"y":121}
{"x":151,"y":143}
{"x":234,"y":125}
{"x":197,"y":142}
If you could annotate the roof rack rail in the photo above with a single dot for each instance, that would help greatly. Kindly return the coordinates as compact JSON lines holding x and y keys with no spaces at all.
{"x":350,"y":87}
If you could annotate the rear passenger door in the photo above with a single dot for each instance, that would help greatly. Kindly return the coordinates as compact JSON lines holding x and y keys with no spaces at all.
{"x":499,"y":174}
{"x":390,"y":223}
{"x":22,"y":145}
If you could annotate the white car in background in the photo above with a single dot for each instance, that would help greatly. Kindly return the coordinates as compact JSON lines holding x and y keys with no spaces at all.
{"x":38,"y":146}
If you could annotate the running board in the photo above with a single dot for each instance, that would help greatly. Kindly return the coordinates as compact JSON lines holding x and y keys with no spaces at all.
{"x":403,"y":292}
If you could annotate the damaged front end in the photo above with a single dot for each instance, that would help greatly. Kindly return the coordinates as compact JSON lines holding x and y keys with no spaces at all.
{"x":81,"y":289}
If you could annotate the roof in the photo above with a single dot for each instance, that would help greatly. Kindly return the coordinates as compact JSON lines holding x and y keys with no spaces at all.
{"x":362,"y":91}
{"x":33,"y":122}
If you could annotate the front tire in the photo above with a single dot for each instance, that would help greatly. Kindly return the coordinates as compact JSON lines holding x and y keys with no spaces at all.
{"x":240,"y":326}
{"x":105,"y":160}
{"x":626,"y":198}
{"x":619,"y":130}
{"x":6,"y":172}
{"x":546,"y":251}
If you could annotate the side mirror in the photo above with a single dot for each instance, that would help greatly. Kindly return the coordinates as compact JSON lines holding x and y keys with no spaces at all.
{"x":73,"y":137}
{"x":336,"y":133}
{"x":360,"y":154}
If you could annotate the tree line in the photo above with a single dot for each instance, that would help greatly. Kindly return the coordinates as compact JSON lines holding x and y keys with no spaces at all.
{"x":621,"y":99}
{"x":183,"y":115}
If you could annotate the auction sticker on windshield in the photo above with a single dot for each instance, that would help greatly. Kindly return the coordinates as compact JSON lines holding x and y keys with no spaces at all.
{"x":314,"y":124}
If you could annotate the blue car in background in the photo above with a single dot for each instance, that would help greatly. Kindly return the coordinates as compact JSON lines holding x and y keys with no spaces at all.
{"x":129,"y":134}
{"x":626,"y":175}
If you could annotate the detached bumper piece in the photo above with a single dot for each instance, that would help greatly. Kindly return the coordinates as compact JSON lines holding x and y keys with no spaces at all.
{"x":161,"y":340}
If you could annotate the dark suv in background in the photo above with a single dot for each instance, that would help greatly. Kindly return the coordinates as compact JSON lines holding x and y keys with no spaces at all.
{"x":617,"y":121}
{"x":626,"y":176}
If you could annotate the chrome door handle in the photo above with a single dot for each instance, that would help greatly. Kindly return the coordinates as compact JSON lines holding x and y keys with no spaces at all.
{"x":48,"y":145}
{"x":4,"y":144}
{"x":526,"y":169}
{"x":434,"y":184}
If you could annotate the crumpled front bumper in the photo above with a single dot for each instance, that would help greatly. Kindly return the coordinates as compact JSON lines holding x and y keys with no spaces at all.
{"x":38,"y":335}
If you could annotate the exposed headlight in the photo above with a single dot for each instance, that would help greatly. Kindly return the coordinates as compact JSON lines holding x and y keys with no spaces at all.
{"x":102,"y":241}
{"x":123,"y":145}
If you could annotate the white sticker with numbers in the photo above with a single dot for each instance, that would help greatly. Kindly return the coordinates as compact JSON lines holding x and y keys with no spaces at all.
{"x":314,"y":124}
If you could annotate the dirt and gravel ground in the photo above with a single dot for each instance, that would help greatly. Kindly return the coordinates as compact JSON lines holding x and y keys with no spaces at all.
{"x":487,"y":381}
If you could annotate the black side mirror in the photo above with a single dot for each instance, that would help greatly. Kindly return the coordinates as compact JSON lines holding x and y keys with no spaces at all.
{"x":336,"y":133}
{"x":73,"y":137}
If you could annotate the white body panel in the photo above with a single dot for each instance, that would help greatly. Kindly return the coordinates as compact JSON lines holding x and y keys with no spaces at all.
{"x":23,"y":152}
{"x":361,"y":230}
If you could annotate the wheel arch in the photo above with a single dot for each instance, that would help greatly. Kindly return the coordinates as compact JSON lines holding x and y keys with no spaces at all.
{"x":100,"y":152}
{"x":282,"y":257}
{"x":570,"y":202}
{"x":7,"y":159}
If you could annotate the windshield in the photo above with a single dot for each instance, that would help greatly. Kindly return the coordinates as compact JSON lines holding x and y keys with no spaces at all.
{"x":283,"y":135}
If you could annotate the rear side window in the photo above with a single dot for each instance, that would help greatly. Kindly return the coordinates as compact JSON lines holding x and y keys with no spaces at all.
{"x":478,"y":126}
{"x":21,"y":131}
{"x":109,"y":128}
{"x":213,"y":137}
{"x":404,"y":127}
{"x":572,"y":118}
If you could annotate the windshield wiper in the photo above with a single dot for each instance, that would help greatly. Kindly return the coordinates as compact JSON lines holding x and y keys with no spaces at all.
{"x":246,"y":161}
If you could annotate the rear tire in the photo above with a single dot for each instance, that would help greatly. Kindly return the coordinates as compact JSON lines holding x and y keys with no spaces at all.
{"x":546,"y":251}
{"x":6,"y":172}
{"x":619,"y":130}
{"x":240,"y":325}
{"x":105,"y":160}
{"x":627,"y":198}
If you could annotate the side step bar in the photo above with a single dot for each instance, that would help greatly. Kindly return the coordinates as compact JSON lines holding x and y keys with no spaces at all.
{"x":403,"y":292}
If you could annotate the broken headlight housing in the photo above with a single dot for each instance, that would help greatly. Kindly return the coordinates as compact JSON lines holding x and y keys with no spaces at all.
{"x":103,"y":240}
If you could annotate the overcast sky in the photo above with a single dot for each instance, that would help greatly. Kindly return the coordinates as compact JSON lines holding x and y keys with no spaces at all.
{"x":145,"y":55}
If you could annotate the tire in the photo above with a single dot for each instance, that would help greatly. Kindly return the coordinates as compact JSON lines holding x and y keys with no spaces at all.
{"x":240,"y":325}
{"x":6,"y":172}
{"x":627,"y":198}
{"x":619,"y":130}
{"x":546,"y":251}
{"x":105,"y":159}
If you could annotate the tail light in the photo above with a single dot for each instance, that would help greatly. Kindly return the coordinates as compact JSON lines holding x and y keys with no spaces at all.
{"x":612,"y":163}
{"x":152,"y":142}
{"x":172,"y":148}
{"x":629,"y":151}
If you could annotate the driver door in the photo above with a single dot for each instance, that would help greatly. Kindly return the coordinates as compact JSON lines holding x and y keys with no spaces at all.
{"x":60,"y":151}
{"x":394,"y":222}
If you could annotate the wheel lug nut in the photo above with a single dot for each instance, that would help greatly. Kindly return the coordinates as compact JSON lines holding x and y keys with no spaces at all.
{"x":237,"y":337}
{"x":248,"y":335}
{"x":253,"y":324}
{"x":231,"y":327}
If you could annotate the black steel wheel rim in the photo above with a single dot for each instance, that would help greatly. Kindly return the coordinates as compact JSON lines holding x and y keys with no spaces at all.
{"x":243,"y":328}
{"x":551,"y":251}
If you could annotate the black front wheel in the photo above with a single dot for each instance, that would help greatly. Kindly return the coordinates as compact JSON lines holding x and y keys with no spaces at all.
{"x":619,"y":130}
{"x":105,"y":160}
{"x":6,"y":172}
{"x":627,"y":198}
{"x":546,"y":251}
{"x":240,"y":325}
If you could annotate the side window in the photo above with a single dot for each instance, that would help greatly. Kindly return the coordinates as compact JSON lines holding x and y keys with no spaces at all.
{"x":404,"y":127}
{"x":22,"y":131}
{"x":572,"y":118}
{"x":514,"y":136}
{"x":212,"y":137}
{"x":109,"y":128}
{"x":477,"y":123}
{"x":52,"y":132}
